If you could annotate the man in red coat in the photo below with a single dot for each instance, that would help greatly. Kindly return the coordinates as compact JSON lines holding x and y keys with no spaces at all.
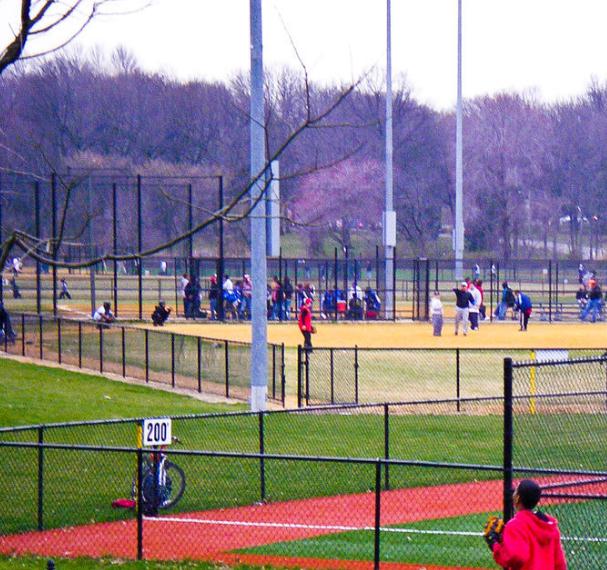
{"x":305,"y":323}
{"x":531,"y":540}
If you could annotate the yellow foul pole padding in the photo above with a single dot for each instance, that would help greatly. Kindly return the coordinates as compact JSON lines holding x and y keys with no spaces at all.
{"x":139,"y":446}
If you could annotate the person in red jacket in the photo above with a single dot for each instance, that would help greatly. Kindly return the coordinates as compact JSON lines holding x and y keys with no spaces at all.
{"x":305,"y":323}
{"x":531,"y":540}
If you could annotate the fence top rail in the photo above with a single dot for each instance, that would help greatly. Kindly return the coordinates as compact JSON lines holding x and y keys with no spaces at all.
{"x":306,"y":458}
{"x":565,"y":362}
{"x":247,"y":455}
{"x":447,"y":349}
{"x":127,"y":326}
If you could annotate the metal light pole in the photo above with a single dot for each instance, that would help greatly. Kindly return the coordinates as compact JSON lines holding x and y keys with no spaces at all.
{"x":259,"y":357}
{"x":389,"y":217}
{"x":458,"y":242}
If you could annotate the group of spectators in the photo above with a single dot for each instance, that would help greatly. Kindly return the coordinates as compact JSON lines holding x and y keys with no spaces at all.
{"x":355,"y":305}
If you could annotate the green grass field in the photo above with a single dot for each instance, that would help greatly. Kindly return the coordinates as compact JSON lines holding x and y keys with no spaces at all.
{"x":451,"y":541}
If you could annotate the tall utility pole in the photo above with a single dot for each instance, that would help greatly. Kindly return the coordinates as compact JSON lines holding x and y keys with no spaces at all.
{"x":458,"y":241}
{"x":259,"y":349}
{"x":389,"y":217}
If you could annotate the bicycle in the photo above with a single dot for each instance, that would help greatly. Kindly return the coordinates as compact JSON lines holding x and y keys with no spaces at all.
{"x":162,"y":482}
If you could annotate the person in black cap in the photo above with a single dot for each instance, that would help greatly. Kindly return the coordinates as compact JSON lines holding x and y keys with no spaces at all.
{"x":531,"y":540}
{"x":161,"y":314}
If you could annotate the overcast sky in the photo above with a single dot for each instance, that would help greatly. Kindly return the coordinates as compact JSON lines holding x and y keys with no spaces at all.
{"x":552,"y":48}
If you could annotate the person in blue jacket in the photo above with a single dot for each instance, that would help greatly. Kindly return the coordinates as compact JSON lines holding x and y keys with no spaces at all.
{"x":524,"y":306}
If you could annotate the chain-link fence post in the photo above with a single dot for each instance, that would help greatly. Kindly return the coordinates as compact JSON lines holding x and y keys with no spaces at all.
{"x":139,"y":504}
{"x":199,"y":363}
{"x":377,"y":544}
{"x":387,"y":444}
{"x":299,"y":377}
{"x":40,"y":478}
{"x":508,"y":432}
{"x":147,"y":354}
{"x":123,"y":345}
{"x":262,"y":463}
{"x":227,"y":366}
{"x":59,"y":341}
{"x":173,"y":360}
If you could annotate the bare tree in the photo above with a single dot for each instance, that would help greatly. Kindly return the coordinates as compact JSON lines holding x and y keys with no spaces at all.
{"x":35,"y":20}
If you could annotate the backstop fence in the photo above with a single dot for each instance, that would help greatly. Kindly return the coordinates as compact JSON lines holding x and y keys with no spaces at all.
{"x":194,"y":363}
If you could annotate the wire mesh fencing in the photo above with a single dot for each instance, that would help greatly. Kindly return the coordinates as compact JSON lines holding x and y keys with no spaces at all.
{"x":175,"y":505}
{"x":366,"y":375}
{"x":198,"y":364}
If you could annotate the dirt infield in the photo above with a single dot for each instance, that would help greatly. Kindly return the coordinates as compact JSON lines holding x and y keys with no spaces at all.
{"x":414,"y":335}
{"x":214,"y":535}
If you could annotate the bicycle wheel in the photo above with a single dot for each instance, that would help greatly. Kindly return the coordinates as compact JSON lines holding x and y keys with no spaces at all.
{"x":169,"y":494}
{"x":174,"y":487}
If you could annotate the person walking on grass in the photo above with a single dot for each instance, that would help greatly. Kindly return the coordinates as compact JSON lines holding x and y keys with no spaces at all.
{"x":436,"y":313}
{"x":463,"y":299}
{"x":531,"y":540}
{"x":523,"y":306}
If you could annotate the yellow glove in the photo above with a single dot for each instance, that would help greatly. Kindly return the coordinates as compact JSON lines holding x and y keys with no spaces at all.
{"x":493,"y":531}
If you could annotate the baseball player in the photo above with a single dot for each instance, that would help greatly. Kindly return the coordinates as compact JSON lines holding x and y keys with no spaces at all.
{"x":529,"y":541}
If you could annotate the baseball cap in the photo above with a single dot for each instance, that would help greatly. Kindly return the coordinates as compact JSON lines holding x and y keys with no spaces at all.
{"x":463,"y":284}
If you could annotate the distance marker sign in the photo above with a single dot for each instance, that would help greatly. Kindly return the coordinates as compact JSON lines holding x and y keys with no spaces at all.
{"x":156,"y":431}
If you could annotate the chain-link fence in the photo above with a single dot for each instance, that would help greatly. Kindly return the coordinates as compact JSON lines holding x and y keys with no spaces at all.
{"x":296,"y":486}
{"x":199,"y":364}
{"x":554,"y":420}
{"x":365,"y":375}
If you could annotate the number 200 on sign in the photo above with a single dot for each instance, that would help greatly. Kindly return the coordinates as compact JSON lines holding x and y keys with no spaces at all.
{"x":156,"y":432}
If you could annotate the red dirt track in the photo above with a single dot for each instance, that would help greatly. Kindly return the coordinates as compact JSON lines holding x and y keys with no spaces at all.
{"x":209,"y":535}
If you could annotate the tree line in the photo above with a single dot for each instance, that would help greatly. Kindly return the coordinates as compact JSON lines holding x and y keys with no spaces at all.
{"x":534,"y":174}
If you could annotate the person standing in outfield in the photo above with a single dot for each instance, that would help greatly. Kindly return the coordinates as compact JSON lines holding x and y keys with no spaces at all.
{"x":474,"y":306}
{"x":531,"y":540}
{"x":524,"y":305}
{"x":305,"y":323}
{"x":436,"y":313}
{"x":463,"y":299}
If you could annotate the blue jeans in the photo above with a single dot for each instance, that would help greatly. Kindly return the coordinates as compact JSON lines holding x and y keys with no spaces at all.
{"x":593,"y":305}
{"x":213,"y":307}
{"x":277,"y":311}
{"x":287,"y":309}
{"x":244,"y":310}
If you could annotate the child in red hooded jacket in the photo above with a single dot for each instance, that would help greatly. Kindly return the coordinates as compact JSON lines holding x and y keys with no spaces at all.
{"x":531,"y":540}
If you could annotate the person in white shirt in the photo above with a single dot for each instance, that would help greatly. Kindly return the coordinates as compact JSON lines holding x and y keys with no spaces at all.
{"x":228,"y":286}
{"x":436,"y":314}
{"x":474,"y":308}
{"x":104,"y":314}
{"x":183,"y":282}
